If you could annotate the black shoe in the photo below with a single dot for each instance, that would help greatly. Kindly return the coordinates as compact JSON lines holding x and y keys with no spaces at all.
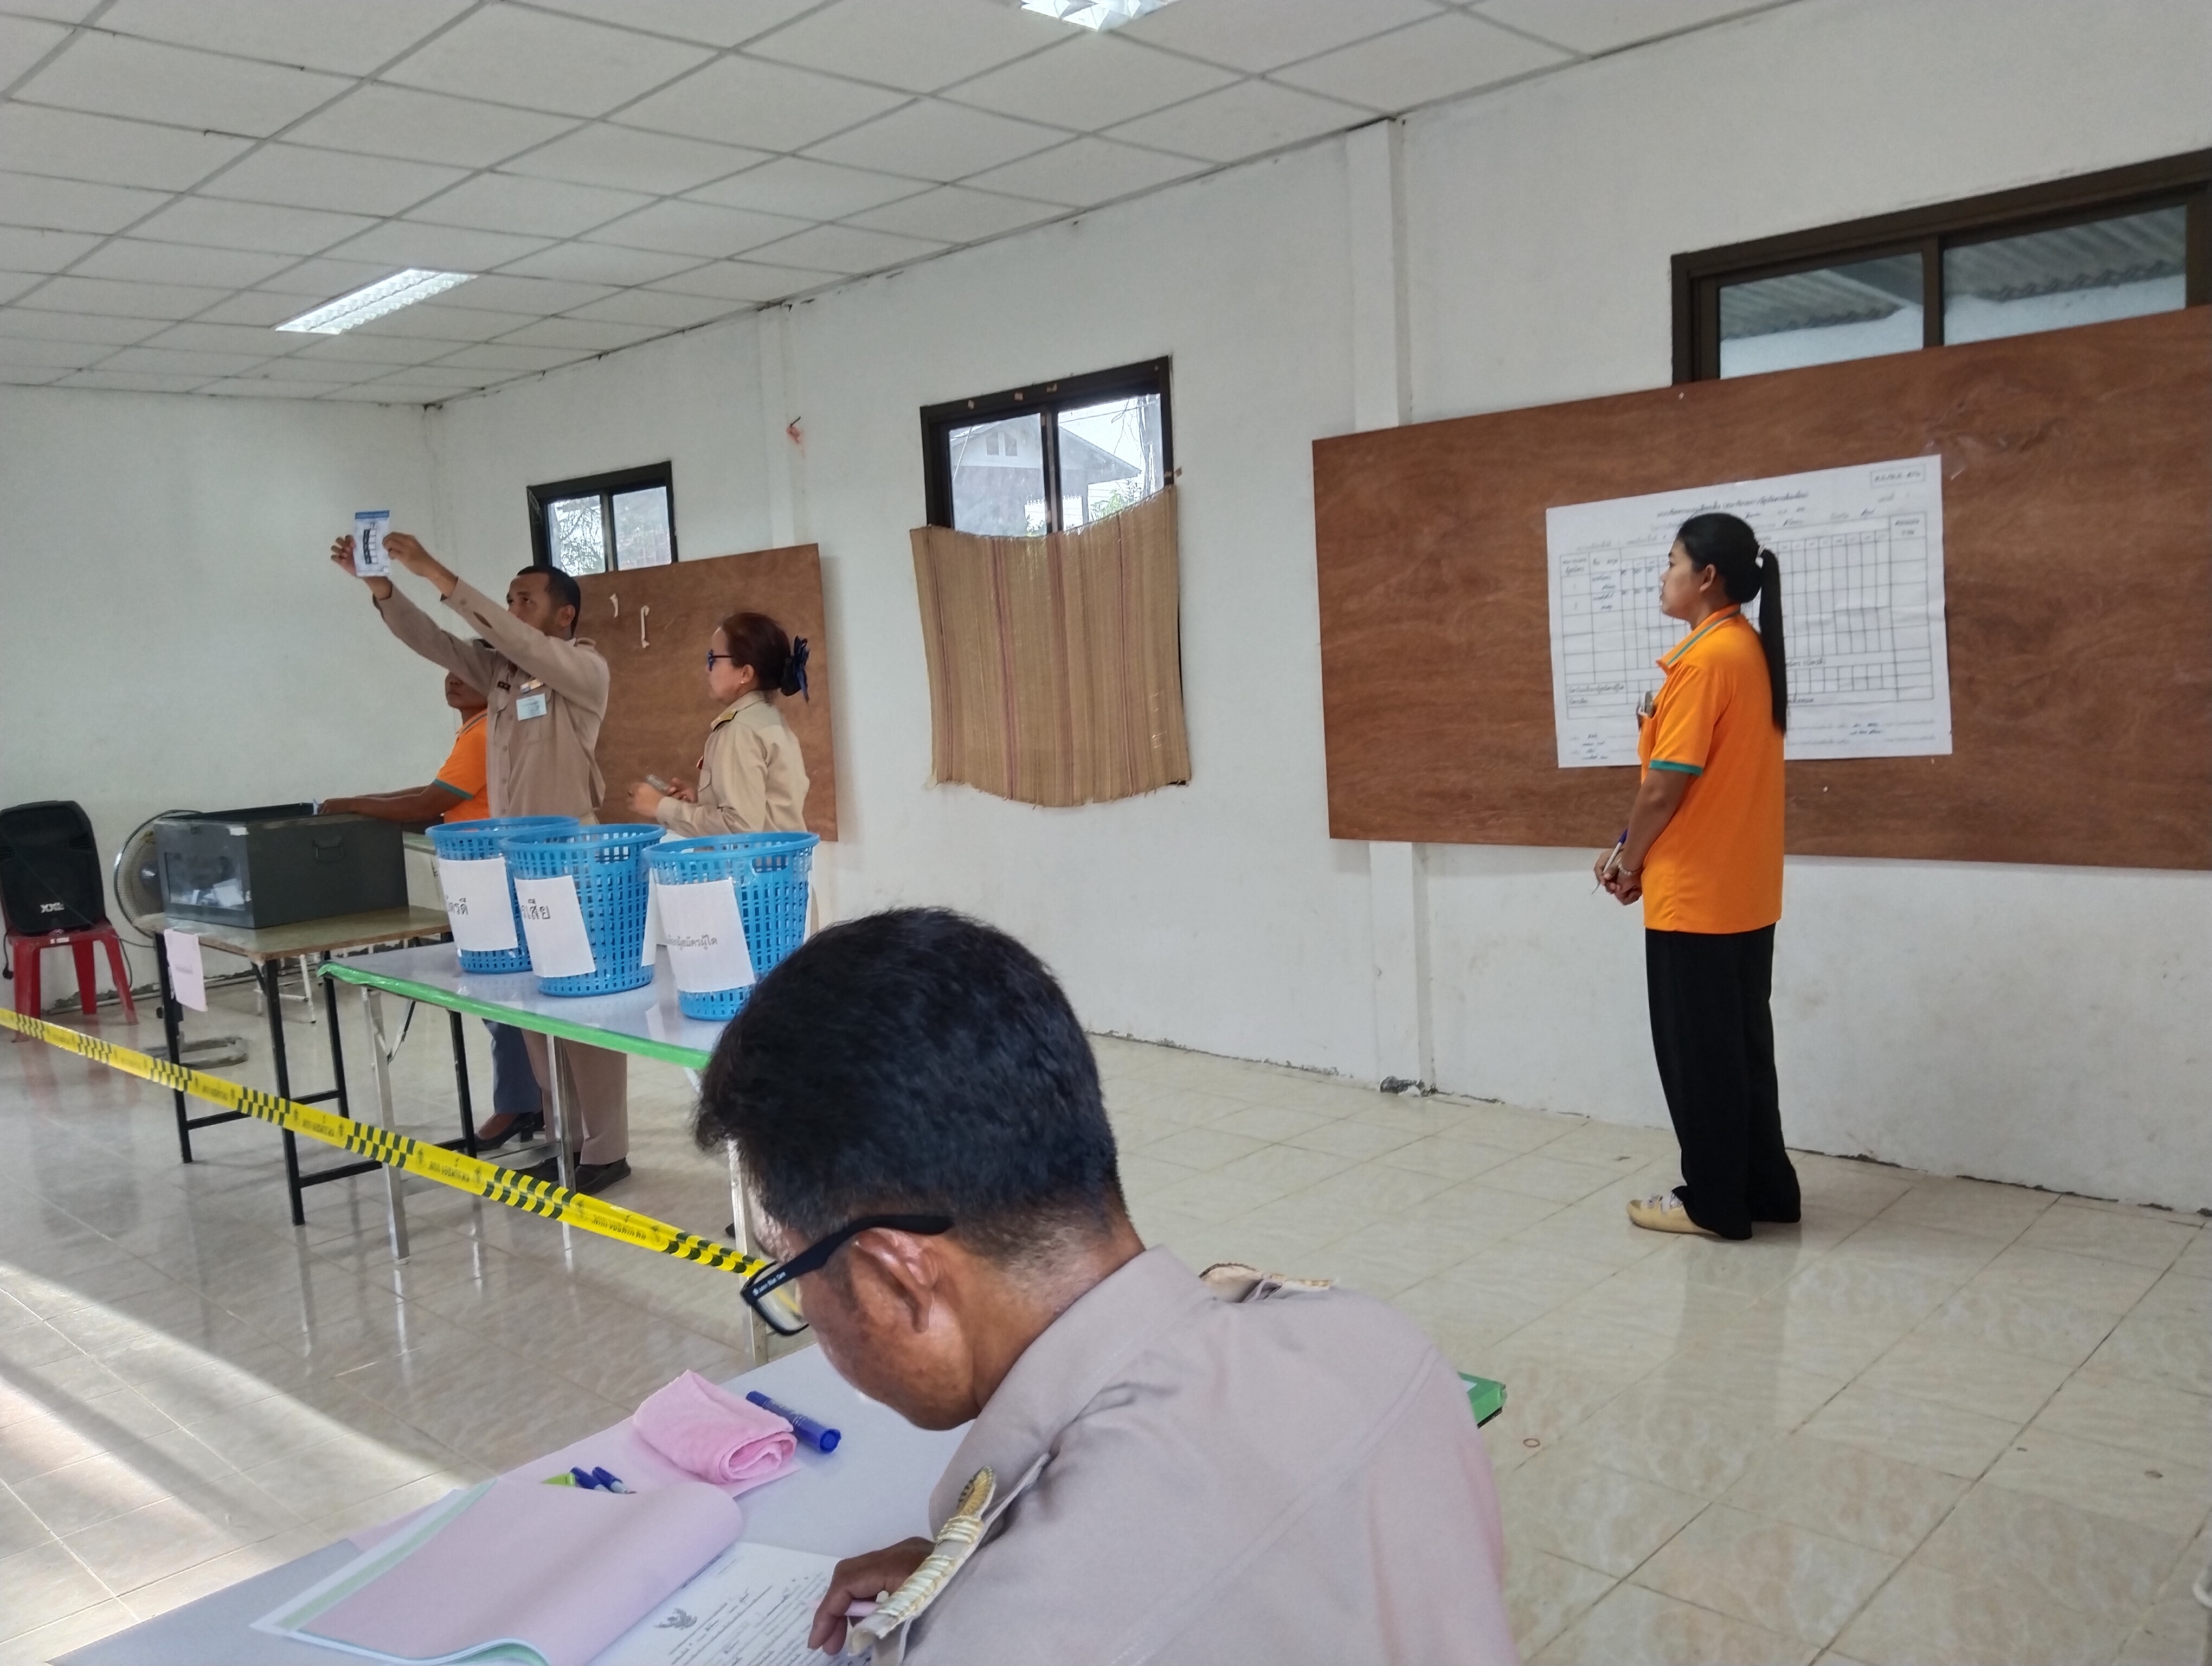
{"x":590,"y":1177}
{"x":519,"y":1129}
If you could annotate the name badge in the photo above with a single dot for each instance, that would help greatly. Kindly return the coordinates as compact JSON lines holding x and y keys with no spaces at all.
{"x":530,"y":705}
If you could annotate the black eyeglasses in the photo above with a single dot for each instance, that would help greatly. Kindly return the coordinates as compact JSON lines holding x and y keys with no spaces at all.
{"x":773,"y":1293}
{"x":712,"y":656}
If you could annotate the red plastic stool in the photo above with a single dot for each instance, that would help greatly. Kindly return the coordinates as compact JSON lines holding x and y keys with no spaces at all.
{"x":26,"y":951}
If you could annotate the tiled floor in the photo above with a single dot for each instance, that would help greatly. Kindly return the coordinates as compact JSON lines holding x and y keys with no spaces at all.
{"x":1940,"y":1421}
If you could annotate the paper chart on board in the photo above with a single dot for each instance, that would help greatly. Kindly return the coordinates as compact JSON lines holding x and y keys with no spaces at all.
{"x":1861,"y":552}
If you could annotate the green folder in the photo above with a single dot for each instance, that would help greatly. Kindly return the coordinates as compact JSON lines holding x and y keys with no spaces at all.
{"x":1484,"y":1398}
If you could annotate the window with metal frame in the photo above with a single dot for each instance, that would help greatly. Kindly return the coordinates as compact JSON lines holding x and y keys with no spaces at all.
{"x":2103,"y":246}
{"x":1049,"y":458}
{"x":605,"y":523}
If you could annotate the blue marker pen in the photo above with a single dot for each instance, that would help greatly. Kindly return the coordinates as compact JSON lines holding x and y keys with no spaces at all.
{"x":821,"y":1439}
{"x":610,"y":1481}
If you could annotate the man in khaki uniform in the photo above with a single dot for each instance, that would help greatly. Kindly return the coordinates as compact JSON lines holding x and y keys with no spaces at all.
{"x":546,"y":692}
{"x":1158,"y":1467}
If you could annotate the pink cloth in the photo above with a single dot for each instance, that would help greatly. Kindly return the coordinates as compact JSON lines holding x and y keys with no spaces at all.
{"x":712,"y":1434}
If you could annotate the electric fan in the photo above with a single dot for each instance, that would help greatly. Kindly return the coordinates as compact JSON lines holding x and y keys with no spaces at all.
{"x":138,"y":894}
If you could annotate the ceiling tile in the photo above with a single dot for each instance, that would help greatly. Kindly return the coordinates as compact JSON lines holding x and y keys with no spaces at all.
{"x":743,"y":101}
{"x":1086,"y":171}
{"x":806,"y":190}
{"x":954,"y":214}
{"x":198,"y":337}
{"x":931,"y":140}
{"x":14,"y":284}
{"x":250,"y":226}
{"x":342,"y":35}
{"x":169,"y":362}
{"x":19,"y":351}
{"x":325,"y":279}
{"x":23,"y":42}
{"x":72,"y":145}
{"x":57,"y":11}
{"x":1438,"y":59}
{"x":132,"y":382}
{"x":265,"y":387}
{"x":294,"y":176}
{"x":328,"y":372}
{"x":440,"y":248}
{"x":743,"y":280}
{"x":102,"y":294}
{"x":598,"y":263}
{"x":498,"y":356}
{"x":251,"y":307}
{"x":77,"y":326}
{"x":1091,"y":82}
{"x":24,"y":376}
{"x":545,"y":61}
{"x":846,"y":249}
{"x":651,"y":306}
{"x":148,"y":262}
{"x":1243,"y":120}
{"x":630,"y":159}
{"x":22,"y":250}
{"x":699,"y":229}
{"x":427,"y":127}
{"x":546,"y":208}
{"x":381,"y":394}
{"x":1601,"y":26}
{"x":919,"y":44}
{"x":580,"y":334}
{"x":354,"y":348}
{"x":427,"y":321}
{"x":26,"y":199}
{"x":447,"y":379}
{"x":118,"y":76}
{"x":717,"y":22}
{"x":533,"y":297}
{"x":1261,"y":34}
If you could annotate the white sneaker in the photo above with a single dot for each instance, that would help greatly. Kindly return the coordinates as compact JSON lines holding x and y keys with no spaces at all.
{"x":1664,"y":1214}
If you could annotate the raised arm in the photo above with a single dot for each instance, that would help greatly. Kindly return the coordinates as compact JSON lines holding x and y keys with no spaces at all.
{"x":576,"y":674}
{"x":474,"y":665}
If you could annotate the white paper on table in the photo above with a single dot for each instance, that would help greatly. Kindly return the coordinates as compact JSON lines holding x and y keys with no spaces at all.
{"x":706,"y":937}
{"x":553,"y":922}
{"x":187,"y":978}
{"x":477,"y":905}
{"x":651,"y":946}
{"x":752,"y":1606}
{"x":369,"y":559}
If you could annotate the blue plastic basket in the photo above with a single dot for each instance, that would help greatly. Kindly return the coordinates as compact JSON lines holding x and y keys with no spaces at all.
{"x":608,"y":864}
{"x":771,"y":871}
{"x":479,"y":841}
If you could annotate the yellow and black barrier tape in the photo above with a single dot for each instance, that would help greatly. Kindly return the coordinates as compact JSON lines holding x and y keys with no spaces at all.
{"x":396,"y":1150}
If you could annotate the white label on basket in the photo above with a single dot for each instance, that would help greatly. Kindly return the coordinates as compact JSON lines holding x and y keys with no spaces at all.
{"x":476,"y":903}
{"x":553,"y":921}
{"x":187,"y":980}
{"x":705,"y":937}
{"x":651,"y":944}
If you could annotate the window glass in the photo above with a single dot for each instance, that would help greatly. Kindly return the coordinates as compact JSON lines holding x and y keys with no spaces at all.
{"x":1109,"y":457}
{"x":578,"y":534}
{"x":641,"y":528}
{"x":2046,"y":280}
{"x":997,"y":477}
{"x":1846,"y":312}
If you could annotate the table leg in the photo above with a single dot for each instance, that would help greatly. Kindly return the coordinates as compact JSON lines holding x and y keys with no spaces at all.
{"x":461,"y":1081}
{"x":563,"y":1158}
{"x":269,"y":974}
{"x":741,"y":1219}
{"x":372,"y":1007}
{"x":171,"y":1033}
{"x":337,"y":1052}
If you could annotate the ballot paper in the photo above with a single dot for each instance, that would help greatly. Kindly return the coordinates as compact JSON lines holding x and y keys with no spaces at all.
{"x":752,"y":1606}
{"x":651,"y":944}
{"x":575,"y":1570}
{"x":369,"y":559}
{"x":705,"y":939}
{"x":186,"y":976}
{"x":553,"y":921}
{"x":477,"y":903}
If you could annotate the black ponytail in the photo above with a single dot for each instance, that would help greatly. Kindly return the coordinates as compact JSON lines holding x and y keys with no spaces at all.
{"x":1747,"y":570}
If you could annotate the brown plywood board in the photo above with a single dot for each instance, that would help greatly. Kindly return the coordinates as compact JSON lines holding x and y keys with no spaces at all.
{"x":659,"y":708}
{"x":2077,"y":519}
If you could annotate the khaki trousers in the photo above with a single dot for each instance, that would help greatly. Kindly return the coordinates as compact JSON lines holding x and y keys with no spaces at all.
{"x":594,"y":1096}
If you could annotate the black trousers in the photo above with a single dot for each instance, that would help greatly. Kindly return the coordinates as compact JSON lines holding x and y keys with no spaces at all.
{"x":1714,"y":1036}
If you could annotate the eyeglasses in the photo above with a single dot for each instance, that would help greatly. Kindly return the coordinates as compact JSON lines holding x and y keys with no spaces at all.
{"x":712,"y":656}
{"x":773,"y":1293}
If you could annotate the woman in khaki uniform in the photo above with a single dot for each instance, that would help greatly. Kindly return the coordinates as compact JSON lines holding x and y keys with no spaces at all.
{"x":751,"y":777}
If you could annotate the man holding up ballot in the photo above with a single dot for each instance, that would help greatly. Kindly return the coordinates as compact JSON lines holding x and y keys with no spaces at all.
{"x":545,"y":689}
{"x":1159,"y":1466}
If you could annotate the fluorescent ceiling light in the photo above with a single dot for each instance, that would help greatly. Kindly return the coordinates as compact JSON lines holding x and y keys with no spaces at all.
{"x":1094,"y":14}
{"x":389,"y":295}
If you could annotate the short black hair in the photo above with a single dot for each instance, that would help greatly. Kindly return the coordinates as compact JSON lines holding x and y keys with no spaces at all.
{"x":567,"y":593}
{"x":917,"y":1062}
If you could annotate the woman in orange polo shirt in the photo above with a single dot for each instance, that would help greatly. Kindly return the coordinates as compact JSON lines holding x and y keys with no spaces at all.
{"x":1703,"y":852}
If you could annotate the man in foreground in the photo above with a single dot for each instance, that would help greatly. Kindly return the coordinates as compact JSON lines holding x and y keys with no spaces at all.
{"x":1174,"y":1476}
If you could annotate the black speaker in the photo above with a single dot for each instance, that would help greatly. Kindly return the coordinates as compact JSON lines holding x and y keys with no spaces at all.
{"x":50,"y":868}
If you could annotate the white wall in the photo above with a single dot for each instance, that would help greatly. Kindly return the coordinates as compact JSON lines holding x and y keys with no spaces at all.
{"x":170,"y":632}
{"x":2025,"y":1023}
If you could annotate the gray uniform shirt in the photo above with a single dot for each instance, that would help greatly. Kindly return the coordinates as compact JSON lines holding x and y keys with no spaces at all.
{"x":542,"y":765}
{"x":1183,"y":1479}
